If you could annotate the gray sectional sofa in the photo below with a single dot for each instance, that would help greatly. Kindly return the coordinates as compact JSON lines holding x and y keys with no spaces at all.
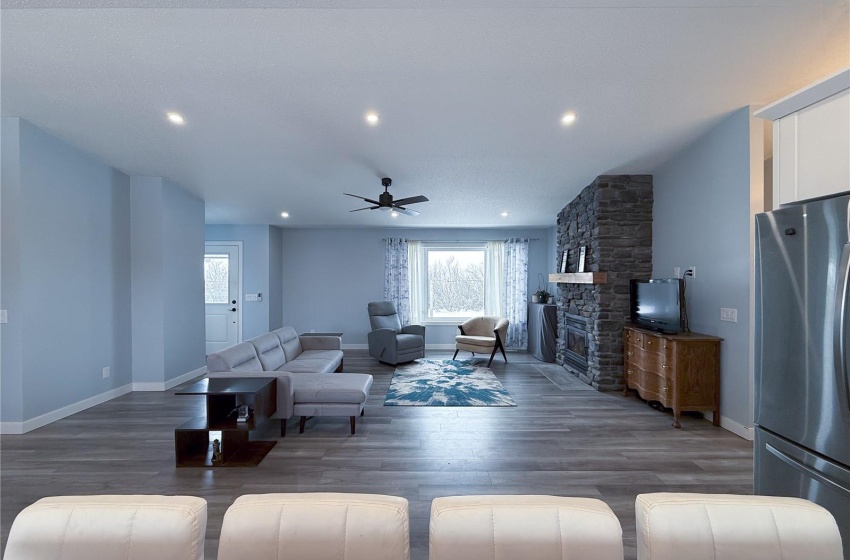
{"x":307,"y":369}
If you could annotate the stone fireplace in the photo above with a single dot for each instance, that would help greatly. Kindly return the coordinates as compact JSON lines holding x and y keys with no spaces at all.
{"x":612,"y":218}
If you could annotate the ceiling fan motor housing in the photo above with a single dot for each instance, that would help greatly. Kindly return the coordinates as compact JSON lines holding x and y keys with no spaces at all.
{"x":385,"y":198}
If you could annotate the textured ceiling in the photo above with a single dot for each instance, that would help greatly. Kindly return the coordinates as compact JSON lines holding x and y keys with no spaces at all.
{"x":470,"y":94}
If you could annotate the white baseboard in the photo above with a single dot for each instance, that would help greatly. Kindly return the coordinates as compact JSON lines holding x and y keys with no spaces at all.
{"x":427,"y":346}
{"x":736,"y":428}
{"x":64,"y":412}
{"x":16,"y":428}
{"x":355,"y":346}
{"x":166,"y":385}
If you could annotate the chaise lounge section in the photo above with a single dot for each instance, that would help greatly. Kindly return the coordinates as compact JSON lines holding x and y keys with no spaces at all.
{"x":308,"y":373}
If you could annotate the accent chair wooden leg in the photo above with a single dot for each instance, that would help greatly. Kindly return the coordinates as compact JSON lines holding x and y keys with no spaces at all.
{"x":502,"y":348}
{"x":353,"y":420}
{"x":283,"y":427}
{"x":301,"y":427}
{"x":455,"y":356}
{"x":491,"y":357}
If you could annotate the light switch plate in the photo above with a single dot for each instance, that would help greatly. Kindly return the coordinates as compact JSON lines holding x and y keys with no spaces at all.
{"x":106,"y":372}
{"x":4,"y":316}
{"x":729,"y":314}
{"x":252,"y":297}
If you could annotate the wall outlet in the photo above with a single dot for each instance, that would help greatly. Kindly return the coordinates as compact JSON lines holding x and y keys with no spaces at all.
{"x":106,"y":372}
{"x":691,"y":272}
{"x":4,"y":317}
{"x":729,"y":314}
{"x":677,"y":272}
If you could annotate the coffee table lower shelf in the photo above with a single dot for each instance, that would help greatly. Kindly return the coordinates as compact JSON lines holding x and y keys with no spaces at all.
{"x":193,"y":448}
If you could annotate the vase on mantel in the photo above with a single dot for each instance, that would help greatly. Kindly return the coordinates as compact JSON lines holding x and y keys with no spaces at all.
{"x":535,"y":299}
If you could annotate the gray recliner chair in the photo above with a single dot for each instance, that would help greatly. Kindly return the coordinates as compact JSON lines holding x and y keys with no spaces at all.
{"x":389,"y":342}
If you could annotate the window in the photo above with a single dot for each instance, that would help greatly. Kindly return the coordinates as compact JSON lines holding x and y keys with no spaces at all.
{"x":449,"y":282}
{"x":216,"y":278}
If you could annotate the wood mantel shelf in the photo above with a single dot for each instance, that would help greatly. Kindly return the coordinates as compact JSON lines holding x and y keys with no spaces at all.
{"x":580,"y":278}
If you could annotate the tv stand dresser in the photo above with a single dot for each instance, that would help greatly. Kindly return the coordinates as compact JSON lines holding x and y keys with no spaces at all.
{"x":681,"y":371}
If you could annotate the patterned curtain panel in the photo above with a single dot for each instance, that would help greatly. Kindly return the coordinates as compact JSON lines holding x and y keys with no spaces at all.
{"x":396,"y":281}
{"x":416,"y":269}
{"x":516,"y":292}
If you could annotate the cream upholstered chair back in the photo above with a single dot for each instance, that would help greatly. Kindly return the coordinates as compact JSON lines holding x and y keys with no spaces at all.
{"x":523,"y":527}
{"x":316,"y":526}
{"x":126,"y":527}
{"x":729,"y":527}
{"x":485,"y":325}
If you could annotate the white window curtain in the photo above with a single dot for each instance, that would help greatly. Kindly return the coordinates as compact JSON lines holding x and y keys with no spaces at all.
{"x":416,"y":271}
{"x":396,"y":282}
{"x":516,"y":292}
{"x":494,"y":286}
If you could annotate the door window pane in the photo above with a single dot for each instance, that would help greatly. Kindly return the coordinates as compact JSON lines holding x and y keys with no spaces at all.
{"x":216,"y":278}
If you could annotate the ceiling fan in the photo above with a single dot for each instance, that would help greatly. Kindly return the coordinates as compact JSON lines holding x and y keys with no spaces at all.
{"x":385,"y":201}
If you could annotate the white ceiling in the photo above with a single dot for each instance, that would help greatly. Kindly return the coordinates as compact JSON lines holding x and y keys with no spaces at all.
{"x":470,"y":94}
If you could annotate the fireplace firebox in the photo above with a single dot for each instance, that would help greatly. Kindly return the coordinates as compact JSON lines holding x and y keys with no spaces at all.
{"x":575,"y":337}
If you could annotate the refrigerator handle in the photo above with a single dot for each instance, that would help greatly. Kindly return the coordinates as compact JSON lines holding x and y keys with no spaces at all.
{"x":807,"y":470}
{"x":839,"y":333}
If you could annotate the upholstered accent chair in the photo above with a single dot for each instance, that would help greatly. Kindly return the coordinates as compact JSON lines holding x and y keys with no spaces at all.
{"x":389,"y":341}
{"x":482,"y":334}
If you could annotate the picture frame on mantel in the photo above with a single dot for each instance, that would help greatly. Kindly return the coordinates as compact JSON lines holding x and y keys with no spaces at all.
{"x":563,"y":268}
{"x":581,"y":255}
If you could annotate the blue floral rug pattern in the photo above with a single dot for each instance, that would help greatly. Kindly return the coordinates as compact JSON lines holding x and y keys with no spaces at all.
{"x":446,"y":383}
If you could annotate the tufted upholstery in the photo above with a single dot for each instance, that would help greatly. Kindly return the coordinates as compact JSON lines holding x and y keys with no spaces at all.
{"x":110,"y":527}
{"x":523,"y":527}
{"x":239,"y":357}
{"x":482,"y":334}
{"x":315,"y":527}
{"x":269,"y":351}
{"x":389,"y":341}
{"x":727,"y":527}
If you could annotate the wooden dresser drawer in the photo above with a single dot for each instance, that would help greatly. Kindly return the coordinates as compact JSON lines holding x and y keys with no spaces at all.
{"x":650,"y":385}
{"x":652,"y":361}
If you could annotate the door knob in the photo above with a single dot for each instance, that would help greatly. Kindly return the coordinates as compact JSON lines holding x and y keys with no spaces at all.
{"x":233,"y":302}
{"x":233,"y":309}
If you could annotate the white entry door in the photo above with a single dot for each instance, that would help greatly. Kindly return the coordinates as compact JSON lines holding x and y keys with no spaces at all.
{"x":222,"y":295}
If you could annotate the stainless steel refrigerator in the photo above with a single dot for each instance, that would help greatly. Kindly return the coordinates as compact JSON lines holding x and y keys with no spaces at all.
{"x":802,"y":390}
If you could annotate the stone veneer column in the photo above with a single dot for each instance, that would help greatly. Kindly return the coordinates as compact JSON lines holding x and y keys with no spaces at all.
{"x":612,"y":217}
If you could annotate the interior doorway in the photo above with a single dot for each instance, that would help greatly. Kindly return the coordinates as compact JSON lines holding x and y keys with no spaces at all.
{"x":223,"y":294}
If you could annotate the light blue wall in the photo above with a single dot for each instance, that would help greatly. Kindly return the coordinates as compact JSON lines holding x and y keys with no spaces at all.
{"x":329,"y":275}
{"x":255,"y":272}
{"x":702,"y":218}
{"x":168,"y":295}
{"x":11,"y":228}
{"x":183,"y":278}
{"x":73,"y":310}
{"x":275,"y":293}
{"x":147,"y":284}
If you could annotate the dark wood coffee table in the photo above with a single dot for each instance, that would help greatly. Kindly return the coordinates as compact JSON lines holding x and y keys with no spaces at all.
{"x":192,"y":445}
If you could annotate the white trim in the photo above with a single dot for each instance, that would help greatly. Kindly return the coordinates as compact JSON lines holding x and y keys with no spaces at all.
{"x":164,"y":386}
{"x":355,"y":346}
{"x":809,"y":95}
{"x":64,"y":412}
{"x":735,"y":427}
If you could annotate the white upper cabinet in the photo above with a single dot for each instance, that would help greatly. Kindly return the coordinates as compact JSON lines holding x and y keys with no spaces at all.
{"x":811,"y":140}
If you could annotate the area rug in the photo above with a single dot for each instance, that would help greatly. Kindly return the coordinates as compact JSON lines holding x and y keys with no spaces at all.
{"x":446,"y":383}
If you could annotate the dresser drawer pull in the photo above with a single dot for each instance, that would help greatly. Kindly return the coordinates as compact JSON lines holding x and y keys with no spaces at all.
{"x":630,"y":353}
{"x":663,"y":366}
{"x":649,"y":342}
{"x":665,"y":388}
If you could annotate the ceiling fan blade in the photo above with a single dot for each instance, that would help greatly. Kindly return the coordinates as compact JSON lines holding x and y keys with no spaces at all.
{"x":411,"y":200}
{"x":367,"y":208}
{"x":407,"y":211}
{"x":369,"y":200}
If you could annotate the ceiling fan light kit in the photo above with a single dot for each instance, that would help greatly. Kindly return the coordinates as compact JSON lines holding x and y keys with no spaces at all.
{"x":385,"y":201}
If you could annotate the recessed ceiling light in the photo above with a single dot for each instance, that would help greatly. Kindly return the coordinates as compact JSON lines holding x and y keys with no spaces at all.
{"x":372,"y":118}
{"x":175,"y":118}
{"x":504,"y":214}
{"x":394,"y":214}
{"x":568,"y":118}
{"x":284,"y":214}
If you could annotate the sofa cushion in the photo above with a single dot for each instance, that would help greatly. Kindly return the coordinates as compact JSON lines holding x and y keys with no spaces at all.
{"x":269,"y":351}
{"x":337,"y":388}
{"x":290,"y":342}
{"x":409,"y":342}
{"x":308,"y":365}
{"x":239,"y":357}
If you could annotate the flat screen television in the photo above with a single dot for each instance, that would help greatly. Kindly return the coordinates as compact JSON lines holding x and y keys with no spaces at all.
{"x":659,"y":304}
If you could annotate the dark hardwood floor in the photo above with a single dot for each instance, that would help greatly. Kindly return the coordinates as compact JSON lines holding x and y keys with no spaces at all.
{"x":568,"y":440}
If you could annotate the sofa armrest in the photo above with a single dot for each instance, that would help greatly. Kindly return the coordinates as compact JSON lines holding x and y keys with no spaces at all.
{"x":382,"y":337}
{"x":414,"y":329}
{"x":320,"y":342}
{"x":285,"y":390}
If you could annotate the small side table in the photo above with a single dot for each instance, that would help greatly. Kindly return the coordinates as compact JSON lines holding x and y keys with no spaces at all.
{"x":192,"y":445}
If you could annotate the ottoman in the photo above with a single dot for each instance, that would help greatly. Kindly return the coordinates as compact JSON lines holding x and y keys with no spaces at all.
{"x":330,"y":394}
